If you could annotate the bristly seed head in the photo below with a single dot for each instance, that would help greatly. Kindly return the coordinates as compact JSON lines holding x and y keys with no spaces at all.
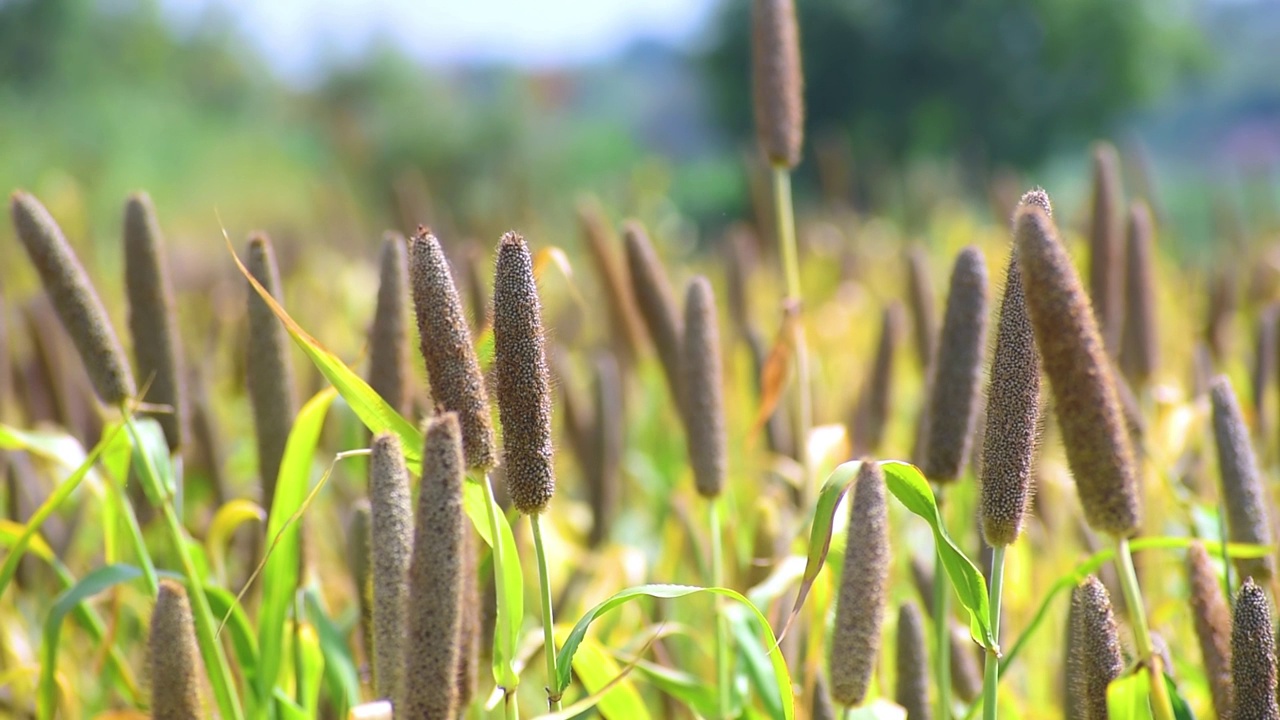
{"x":924,"y":315}
{"x":957,"y":370}
{"x":702,"y":380}
{"x":175,"y":657}
{"x":912,"y":691}
{"x":1139,"y":350}
{"x":1213,"y":626}
{"x":872,"y":413}
{"x":655,"y":301}
{"x":777,"y":81}
{"x":156,"y":343}
{"x":1093,"y":641}
{"x":391,"y":545}
{"x":389,"y":338}
{"x":524,"y":382}
{"x":453,"y":370}
{"x":270,"y":373}
{"x":1242,"y":489}
{"x":1106,"y":248}
{"x":1080,"y":374}
{"x":1253,"y":656}
{"x":74,"y":299}
{"x":855,"y":637}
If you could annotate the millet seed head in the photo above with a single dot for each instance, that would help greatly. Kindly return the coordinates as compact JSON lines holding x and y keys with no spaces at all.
{"x":269,"y":371}
{"x":923,"y":306}
{"x":359,"y":558}
{"x":389,"y":337}
{"x":608,"y":440}
{"x":524,"y":382}
{"x":175,"y":657}
{"x":957,"y":371}
{"x":912,"y":689}
{"x":469,"y":634}
{"x":1093,"y":655}
{"x":624,"y":319}
{"x":777,"y":81}
{"x":874,"y":404}
{"x":1242,"y":488}
{"x":702,"y":381}
{"x":432,"y":642}
{"x":156,"y":343}
{"x":655,"y":301}
{"x":1139,"y":348}
{"x":1106,"y":246}
{"x":73,"y":298}
{"x":453,"y":371}
{"x":855,"y":637}
{"x":1092,"y":424}
{"x":391,"y":545}
{"x":1253,"y":656}
{"x":1213,"y":626}
{"x":966,"y":668}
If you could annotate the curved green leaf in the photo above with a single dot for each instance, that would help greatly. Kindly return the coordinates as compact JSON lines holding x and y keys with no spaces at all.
{"x":341,"y":677}
{"x":824,"y":516}
{"x":223,"y":603}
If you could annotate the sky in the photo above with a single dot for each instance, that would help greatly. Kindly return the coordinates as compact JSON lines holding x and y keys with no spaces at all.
{"x":294,"y":34}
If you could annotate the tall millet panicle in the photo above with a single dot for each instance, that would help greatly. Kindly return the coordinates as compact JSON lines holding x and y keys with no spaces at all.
{"x":434,"y":621}
{"x":175,"y":658}
{"x":389,"y":336}
{"x":923,"y":306}
{"x":912,"y":688}
{"x":1013,"y":411}
{"x":152,"y":322}
{"x":655,"y":301}
{"x":469,"y":634}
{"x":524,"y":382}
{"x":957,"y":371}
{"x":1139,"y":349}
{"x":1263,"y":368}
{"x":1213,"y":626}
{"x":1106,"y":246}
{"x":73,"y":298}
{"x":1253,"y":656}
{"x":608,"y":440}
{"x":359,"y":559}
{"x":391,"y":542}
{"x":777,"y":81}
{"x":871,"y":416}
{"x":270,"y":374}
{"x":1242,"y":487}
{"x":1071,"y":351}
{"x":624,"y":320}
{"x":855,"y":636}
{"x":702,"y":381}
{"x":1093,"y":651}
{"x":453,"y":371}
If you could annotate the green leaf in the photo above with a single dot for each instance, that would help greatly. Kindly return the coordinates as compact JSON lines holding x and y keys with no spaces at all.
{"x":150,"y":446}
{"x":341,"y":677}
{"x":755,"y":661}
{"x":95,"y":582}
{"x":243,"y":639}
{"x":230,"y":516}
{"x":820,"y":536}
{"x":688,"y":689}
{"x":509,"y":583}
{"x":1129,"y":697}
{"x":310,"y":670}
{"x":596,"y":669}
{"x":782,"y":678}
{"x":1181,"y":710}
{"x":908,"y":484}
{"x":280,"y":571}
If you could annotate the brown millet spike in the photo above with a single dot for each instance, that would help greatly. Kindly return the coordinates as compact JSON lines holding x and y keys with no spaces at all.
{"x":270,"y":375}
{"x":73,"y":298}
{"x":156,"y":343}
{"x":655,"y":301}
{"x":524,"y":382}
{"x":1094,"y":658}
{"x":1242,"y":489}
{"x":1213,"y":626}
{"x":923,"y":306}
{"x":1264,"y":366}
{"x":702,"y":381}
{"x":1106,"y":246}
{"x":1253,"y":656}
{"x":434,"y":622}
{"x":175,"y":657}
{"x":388,"y":337}
{"x":855,"y":636}
{"x":1013,"y":415}
{"x":624,"y":319}
{"x":873,"y":408}
{"x":469,"y":629}
{"x":777,"y":82}
{"x":453,"y":371}
{"x":912,"y":688}
{"x":608,"y":438}
{"x":966,"y":671}
{"x":1139,"y":349}
{"x":391,"y":542}
{"x":956,"y":374}
{"x":1089,"y":416}
{"x":359,"y":557}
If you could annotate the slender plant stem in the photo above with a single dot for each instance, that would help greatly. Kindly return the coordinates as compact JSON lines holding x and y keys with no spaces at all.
{"x":548,"y":625}
{"x":722,"y":633}
{"x":802,"y":410}
{"x":992,"y":680}
{"x":941,"y":627}
{"x":1161,"y":706}
{"x":510,"y":706}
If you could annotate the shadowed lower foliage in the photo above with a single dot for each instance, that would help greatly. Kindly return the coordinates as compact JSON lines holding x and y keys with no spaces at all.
{"x":855,"y":636}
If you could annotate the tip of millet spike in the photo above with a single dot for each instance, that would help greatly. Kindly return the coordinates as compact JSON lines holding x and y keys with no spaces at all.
{"x":1039,"y":198}
{"x":1094,"y":657}
{"x":1243,"y":491}
{"x":1253,"y":657}
{"x":701,"y":380}
{"x":175,"y":657}
{"x":855,"y":637}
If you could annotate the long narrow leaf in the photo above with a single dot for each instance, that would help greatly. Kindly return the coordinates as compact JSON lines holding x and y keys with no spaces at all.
{"x":836,"y":485}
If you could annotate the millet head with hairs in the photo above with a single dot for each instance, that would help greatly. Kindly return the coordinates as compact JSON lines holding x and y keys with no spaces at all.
{"x":175,"y":666}
{"x":1213,"y":626}
{"x":777,"y":81}
{"x":1243,"y":491}
{"x":388,"y":336}
{"x":268,"y":368}
{"x":1253,"y":656}
{"x":704,"y":396}
{"x":1093,"y":640}
{"x":855,"y":635}
{"x":391,"y":543}
{"x":655,"y":301}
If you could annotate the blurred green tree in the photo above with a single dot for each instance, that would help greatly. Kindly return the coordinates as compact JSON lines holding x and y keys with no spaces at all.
{"x":1007,"y":81}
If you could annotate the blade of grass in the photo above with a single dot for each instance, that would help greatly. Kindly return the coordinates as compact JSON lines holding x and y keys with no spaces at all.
{"x":226,"y":520}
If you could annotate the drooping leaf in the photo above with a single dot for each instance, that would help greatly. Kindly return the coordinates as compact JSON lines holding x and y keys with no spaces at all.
{"x":824,"y":516}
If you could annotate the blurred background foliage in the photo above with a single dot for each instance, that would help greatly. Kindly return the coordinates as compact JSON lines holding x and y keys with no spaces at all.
{"x":98,"y":97}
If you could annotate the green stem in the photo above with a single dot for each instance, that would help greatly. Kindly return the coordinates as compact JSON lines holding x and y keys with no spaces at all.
{"x":548,"y":625}
{"x":802,"y":410}
{"x":722,"y":633}
{"x":1161,"y":705}
{"x":499,"y":584}
{"x":992,"y":680}
{"x":210,"y":648}
{"x":942,"y":637}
